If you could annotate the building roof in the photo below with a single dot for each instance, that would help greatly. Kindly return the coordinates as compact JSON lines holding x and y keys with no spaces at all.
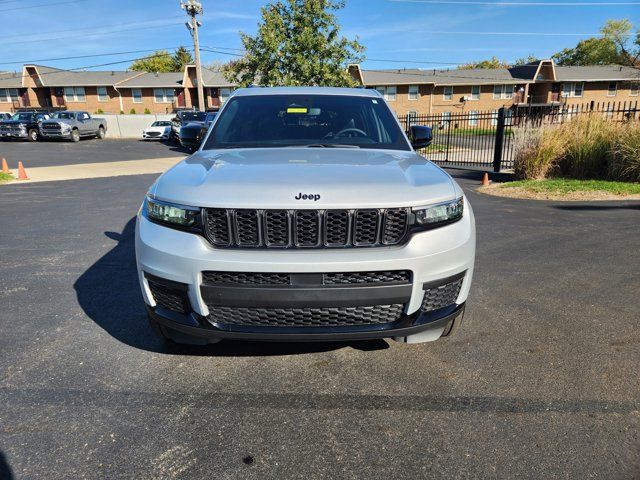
{"x":10,"y":80}
{"x":597,"y":72}
{"x":151,"y":80}
{"x":55,"y":77}
{"x":215,"y":78}
{"x":519,"y":74}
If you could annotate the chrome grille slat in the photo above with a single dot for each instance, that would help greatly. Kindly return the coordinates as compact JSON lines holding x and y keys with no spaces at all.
{"x":253,"y":228}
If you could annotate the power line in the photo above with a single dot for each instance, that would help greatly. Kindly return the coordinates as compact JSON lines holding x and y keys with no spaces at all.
{"x":519,"y":4}
{"x":86,"y":56}
{"x":543,"y":34}
{"x":40,"y":5}
{"x":84,"y":35}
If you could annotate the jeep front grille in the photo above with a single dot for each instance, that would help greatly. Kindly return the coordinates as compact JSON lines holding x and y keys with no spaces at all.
{"x":250,"y":228}
{"x":306,"y":317}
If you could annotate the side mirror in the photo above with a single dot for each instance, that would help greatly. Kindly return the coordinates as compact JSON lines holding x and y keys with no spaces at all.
{"x":420,"y":136}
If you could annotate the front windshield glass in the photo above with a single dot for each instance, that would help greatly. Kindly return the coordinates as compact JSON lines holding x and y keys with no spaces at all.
{"x":161,"y":124}
{"x":22,"y":117}
{"x":193,"y":116}
{"x":63,"y":115}
{"x":261,"y":121}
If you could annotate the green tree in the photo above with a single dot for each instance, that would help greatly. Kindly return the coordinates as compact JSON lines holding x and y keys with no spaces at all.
{"x":616,"y":46}
{"x":525,"y":60}
{"x":493,"y":62}
{"x":298,"y":42}
{"x":159,"y":61}
{"x":181,"y":58}
{"x":163,"y":61}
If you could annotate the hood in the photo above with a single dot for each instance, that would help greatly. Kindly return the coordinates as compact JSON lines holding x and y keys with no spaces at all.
{"x":319,"y":177}
{"x":15,"y":122}
{"x":157,"y":129}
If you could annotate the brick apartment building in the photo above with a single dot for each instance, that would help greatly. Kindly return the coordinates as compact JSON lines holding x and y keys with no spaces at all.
{"x":408,"y":92}
{"x":109,"y":91}
{"x":537,"y":84}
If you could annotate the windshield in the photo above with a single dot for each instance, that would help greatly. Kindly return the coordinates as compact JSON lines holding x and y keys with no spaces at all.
{"x":63,"y":115}
{"x":23,"y":117}
{"x":161,"y":124}
{"x":259,"y":121}
{"x":193,"y":116}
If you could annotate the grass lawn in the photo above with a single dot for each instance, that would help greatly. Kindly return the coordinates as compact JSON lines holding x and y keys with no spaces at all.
{"x":568,"y":185}
{"x":5,"y":177}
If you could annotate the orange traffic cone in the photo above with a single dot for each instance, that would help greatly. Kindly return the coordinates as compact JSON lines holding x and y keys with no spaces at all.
{"x":22,"y":173}
{"x":485,"y":179}
{"x":5,"y":167}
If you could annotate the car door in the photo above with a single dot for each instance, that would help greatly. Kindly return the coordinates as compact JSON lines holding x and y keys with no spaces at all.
{"x":84,"y":124}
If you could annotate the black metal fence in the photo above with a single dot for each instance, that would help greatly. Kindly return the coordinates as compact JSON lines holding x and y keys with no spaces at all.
{"x":486,"y":139}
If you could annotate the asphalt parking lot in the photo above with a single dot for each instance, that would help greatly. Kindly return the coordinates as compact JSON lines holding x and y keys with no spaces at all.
{"x":541,"y":382}
{"x":58,"y":153}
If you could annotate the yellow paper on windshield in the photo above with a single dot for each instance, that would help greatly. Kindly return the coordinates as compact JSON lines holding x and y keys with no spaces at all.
{"x":296,"y":110}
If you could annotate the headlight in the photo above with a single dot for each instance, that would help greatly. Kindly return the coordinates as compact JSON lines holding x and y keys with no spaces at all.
{"x":171,"y":214}
{"x":22,"y":126}
{"x":440,"y":214}
{"x":65,"y":127}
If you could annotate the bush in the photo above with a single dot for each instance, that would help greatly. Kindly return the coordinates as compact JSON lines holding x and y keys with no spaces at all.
{"x":147,"y":111}
{"x":536,"y":151}
{"x":121,"y":112}
{"x":132,"y":111}
{"x":625,"y":164}
{"x":99,"y":111}
{"x":589,"y":146}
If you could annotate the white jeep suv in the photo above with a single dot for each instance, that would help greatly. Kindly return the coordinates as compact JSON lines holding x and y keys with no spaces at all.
{"x":306,"y":215}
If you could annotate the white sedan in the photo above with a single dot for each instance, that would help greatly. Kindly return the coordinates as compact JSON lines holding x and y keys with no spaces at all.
{"x":160,"y":130}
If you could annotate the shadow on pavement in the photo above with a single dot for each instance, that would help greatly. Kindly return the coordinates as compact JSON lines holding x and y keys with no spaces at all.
{"x":5,"y":470}
{"x":577,"y":208}
{"x":109,"y":294}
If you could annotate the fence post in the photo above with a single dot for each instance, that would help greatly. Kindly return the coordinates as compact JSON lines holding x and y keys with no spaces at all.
{"x":497,"y":153}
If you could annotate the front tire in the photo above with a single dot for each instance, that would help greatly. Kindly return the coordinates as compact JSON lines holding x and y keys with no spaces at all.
{"x":33,"y":135}
{"x":75,"y":136}
{"x":101,"y":133}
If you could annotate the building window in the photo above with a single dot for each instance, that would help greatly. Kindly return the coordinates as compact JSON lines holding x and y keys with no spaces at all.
{"x":473,"y":118}
{"x":447,"y":93}
{"x":572,"y":89}
{"x":136,"y":94}
{"x":74,"y":94}
{"x":224,"y":94}
{"x":163,"y":95}
{"x":9,"y":95}
{"x":413,"y":92}
{"x":612,"y":90}
{"x":103,"y":95}
{"x":634,"y":89}
{"x":475,"y":92}
{"x":389,"y":93}
{"x":503,"y":92}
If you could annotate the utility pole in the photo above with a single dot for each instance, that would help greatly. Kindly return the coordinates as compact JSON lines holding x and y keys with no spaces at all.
{"x":193,"y":8}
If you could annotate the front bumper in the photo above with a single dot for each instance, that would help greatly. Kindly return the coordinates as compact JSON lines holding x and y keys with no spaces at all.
{"x":55,"y":134}
{"x":432,"y":257}
{"x":21,"y":134}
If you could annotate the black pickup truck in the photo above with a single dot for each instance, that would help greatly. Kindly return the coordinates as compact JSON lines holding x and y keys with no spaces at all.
{"x":23,"y":125}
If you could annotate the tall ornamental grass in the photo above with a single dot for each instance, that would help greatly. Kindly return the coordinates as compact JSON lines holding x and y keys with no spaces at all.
{"x":589,"y":146}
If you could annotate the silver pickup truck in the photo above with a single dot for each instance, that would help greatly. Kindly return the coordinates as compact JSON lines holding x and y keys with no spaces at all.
{"x":73,"y":125}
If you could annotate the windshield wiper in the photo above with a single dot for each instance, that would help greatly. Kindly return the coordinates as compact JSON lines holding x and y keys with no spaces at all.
{"x":325,"y":145}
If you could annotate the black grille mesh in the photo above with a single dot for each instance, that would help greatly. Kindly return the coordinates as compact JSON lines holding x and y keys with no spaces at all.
{"x":306,"y":317}
{"x":169,"y":298}
{"x":441,"y":296}
{"x":305,"y":228}
{"x":218,"y":226}
{"x":349,"y":278}
{"x":245,"y":278}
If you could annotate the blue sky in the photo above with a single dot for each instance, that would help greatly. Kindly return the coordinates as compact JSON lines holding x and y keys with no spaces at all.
{"x":404,"y":31}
